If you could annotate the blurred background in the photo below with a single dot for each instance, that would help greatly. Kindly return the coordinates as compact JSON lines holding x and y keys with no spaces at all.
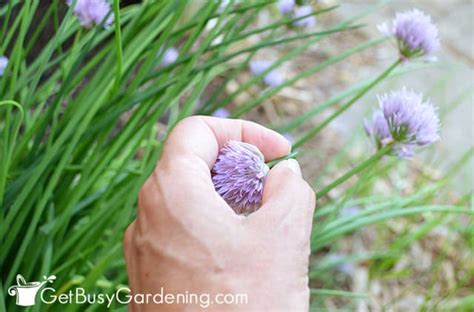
{"x":435,"y":263}
{"x":448,"y":83}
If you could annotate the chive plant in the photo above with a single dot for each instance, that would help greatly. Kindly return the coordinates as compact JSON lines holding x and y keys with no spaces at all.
{"x":79,"y":121}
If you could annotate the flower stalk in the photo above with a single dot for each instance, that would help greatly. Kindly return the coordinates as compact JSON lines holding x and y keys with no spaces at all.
{"x":344,"y":107}
{"x":118,"y":45}
{"x":367,"y":163}
{"x":272,"y":163}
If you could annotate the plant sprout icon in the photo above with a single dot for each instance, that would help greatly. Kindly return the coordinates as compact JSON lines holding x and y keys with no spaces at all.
{"x":26,"y":292}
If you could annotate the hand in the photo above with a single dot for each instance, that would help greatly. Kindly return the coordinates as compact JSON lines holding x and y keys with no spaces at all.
{"x":186,"y":239}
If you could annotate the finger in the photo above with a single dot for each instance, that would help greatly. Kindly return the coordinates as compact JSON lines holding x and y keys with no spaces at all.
{"x":287,"y":197}
{"x":189,"y":154}
{"x":128,"y":253}
{"x":203,"y":136}
{"x":127,"y":241}
{"x":181,"y":189}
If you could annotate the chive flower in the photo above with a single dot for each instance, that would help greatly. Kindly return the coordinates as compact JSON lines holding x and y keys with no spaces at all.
{"x":349,"y":211}
{"x":92,"y":12}
{"x":238,"y":176}
{"x":405,"y":121}
{"x":271,"y":79}
{"x":343,"y":267}
{"x":170,"y":56}
{"x":221,"y":113}
{"x":285,"y":6}
{"x":3,"y":64}
{"x":416,"y":34}
{"x":225,"y":3}
{"x":307,"y":22}
{"x":289,"y":138}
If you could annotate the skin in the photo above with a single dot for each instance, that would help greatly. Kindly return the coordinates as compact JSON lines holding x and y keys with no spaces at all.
{"x":187,"y":239}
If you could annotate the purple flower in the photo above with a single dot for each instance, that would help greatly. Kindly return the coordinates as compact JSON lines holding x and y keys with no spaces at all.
{"x":272,"y":78}
{"x":342,"y":266}
{"x":221,"y":113}
{"x":285,"y":6}
{"x":349,"y":211}
{"x":170,"y":56}
{"x":238,"y":176}
{"x":92,"y":12}
{"x":3,"y":64}
{"x":417,"y":36}
{"x":309,"y":21}
{"x":289,"y":137}
{"x":403,"y":118}
{"x":225,"y":3}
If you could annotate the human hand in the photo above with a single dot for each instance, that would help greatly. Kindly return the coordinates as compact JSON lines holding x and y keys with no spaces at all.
{"x":186,"y":239}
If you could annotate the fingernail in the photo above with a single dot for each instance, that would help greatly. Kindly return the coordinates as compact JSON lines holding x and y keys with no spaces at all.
{"x":294,"y":166}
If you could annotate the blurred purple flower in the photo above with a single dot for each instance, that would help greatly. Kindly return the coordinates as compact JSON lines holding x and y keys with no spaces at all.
{"x":285,"y":6}
{"x":221,"y":113}
{"x":309,"y":21}
{"x":238,"y":176}
{"x":225,"y":3}
{"x":349,"y":211}
{"x":170,"y":56}
{"x":272,"y":79}
{"x":92,"y":12}
{"x":289,"y":137}
{"x":344,"y":267}
{"x":415,"y":32}
{"x":403,"y":118}
{"x":3,"y":64}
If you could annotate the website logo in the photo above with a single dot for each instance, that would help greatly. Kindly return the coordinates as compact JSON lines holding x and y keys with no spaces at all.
{"x":26,"y":292}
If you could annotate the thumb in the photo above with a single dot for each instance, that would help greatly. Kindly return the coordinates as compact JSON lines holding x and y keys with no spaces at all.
{"x":286,"y":195}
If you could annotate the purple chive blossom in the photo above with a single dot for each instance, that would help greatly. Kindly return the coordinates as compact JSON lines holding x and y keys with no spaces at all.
{"x":416,"y":34}
{"x":238,"y":176}
{"x":225,"y":3}
{"x":343,"y":267}
{"x":349,"y":211}
{"x":170,"y":56}
{"x":307,"y":22}
{"x":92,"y":12}
{"x":285,"y":6}
{"x":272,"y":79}
{"x":221,"y":113}
{"x":403,"y":118}
{"x":3,"y":64}
{"x":289,"y":137}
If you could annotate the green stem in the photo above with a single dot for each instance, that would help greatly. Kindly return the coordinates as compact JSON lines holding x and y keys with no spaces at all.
{"x":275,"y":161}
{"x":8,"y":143}
{"x":336,"y":292}
{"x":344,"y":107}
{"x":118,"y":44}
{"x":383,"y":151}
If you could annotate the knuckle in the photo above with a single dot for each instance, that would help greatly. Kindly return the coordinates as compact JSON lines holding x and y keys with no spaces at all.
{"x":188,"y":121}
{"x":302,"y":186}
{"x":127,"y":237}
{"x":143,"y":193}
{"x":287,"y":174}
{"x":310,"y":192}
{"x":147,"y":188}
{"x":310,"y":197}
